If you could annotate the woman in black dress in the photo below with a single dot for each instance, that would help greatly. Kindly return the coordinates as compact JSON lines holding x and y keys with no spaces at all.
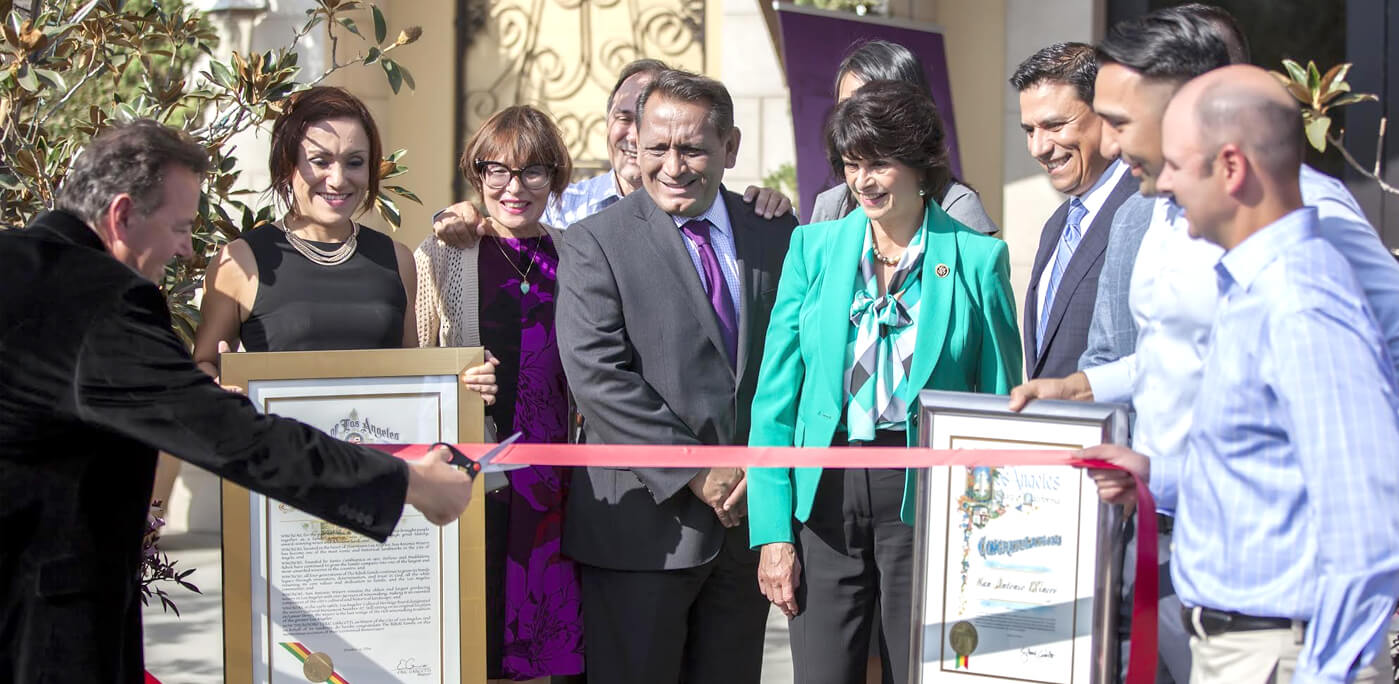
{"x":317,"y":279}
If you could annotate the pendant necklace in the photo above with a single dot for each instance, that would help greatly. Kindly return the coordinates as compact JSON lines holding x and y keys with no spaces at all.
{"x":524,"y":275}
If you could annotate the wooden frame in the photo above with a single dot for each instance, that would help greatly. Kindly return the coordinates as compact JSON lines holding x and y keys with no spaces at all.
{"x":1097,"y":540}
{"x":246,"y":369}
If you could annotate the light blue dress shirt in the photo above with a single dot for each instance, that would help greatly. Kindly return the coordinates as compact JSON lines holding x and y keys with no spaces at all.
{"x":581,"y":200}
{"x":721,"y":236}
{"x":1286,"y":492}
{"x":1173,"y":301}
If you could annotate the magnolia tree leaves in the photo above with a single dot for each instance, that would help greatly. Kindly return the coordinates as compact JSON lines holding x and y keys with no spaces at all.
{"x":75,"y":67}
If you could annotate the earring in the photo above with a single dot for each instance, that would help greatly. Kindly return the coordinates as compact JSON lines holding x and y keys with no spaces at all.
{"x":922,"y":192}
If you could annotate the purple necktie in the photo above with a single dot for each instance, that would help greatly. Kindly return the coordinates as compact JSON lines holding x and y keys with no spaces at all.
{"x":714,"y":284}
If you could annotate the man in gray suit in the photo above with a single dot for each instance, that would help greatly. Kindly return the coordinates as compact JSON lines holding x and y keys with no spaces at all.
{"x":1113,"y":332}
{"x":664,"y":303}
{"x":1063,"y":134}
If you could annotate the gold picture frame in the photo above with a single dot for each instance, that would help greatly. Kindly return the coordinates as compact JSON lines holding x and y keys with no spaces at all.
{"x":247,"y":370}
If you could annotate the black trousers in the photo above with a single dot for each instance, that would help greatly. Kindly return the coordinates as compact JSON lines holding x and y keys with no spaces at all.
{"x":854,"y":549}
{"x":700,"y":625}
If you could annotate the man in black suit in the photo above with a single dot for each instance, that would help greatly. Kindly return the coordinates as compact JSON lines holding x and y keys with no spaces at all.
{"x":93,"y":381}
{"x":1063,"y":134}
{"x":663,"y":307}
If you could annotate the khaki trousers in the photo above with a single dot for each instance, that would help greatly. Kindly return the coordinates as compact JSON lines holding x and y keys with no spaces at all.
{"x":1266,"y":656}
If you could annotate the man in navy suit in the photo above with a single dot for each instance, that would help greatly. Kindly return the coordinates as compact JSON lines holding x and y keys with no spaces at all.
{"x":1062,"y":133}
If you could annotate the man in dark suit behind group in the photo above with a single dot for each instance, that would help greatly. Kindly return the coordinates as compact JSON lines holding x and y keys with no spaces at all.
{"x":93,"y":380}
{"x":664,"y":303}
{"x":1063,"y":134}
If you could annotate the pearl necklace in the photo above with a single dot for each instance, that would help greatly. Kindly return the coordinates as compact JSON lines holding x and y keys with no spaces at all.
{"x":324,"y":257}
{"x":874,"y":243}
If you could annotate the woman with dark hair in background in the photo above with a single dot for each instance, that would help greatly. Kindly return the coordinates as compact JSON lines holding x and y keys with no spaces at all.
{"x":881,"y":60}
{"x":871,"y":309}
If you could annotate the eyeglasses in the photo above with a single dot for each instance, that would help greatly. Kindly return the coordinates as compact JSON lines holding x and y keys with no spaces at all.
{"x":497,"y":175}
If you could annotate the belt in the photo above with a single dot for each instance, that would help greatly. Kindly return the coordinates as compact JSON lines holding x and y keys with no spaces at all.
{"x":1165,"y":524}
{"x":1204,"y":622}
{"x":882,"y":438}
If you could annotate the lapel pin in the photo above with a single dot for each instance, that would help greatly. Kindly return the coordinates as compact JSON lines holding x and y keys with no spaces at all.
{"x":941,"y":270}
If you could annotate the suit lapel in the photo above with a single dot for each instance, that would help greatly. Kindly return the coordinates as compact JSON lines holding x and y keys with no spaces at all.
{"x":670,"y":250}
{"x":1049,"y":240}
{"x":842,"y":261}
{"x":1090,"y":250}
{"x":940,"y":275}
{"x":748,"y":253}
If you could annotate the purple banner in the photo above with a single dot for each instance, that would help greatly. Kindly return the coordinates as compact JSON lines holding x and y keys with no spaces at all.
{"x":813,"y":44}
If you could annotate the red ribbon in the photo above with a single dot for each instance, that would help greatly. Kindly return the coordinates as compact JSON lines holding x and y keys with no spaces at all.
{"x":1141,"y":660}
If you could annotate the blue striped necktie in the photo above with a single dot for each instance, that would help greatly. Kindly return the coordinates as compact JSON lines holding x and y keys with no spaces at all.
{"x":1073,"y":233}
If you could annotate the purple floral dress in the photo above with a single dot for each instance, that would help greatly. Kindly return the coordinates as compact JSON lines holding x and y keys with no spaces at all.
{"x":535,"y":623}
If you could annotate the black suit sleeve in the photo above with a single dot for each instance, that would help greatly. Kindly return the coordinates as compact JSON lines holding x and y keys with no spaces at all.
{"x":619,"y":405}
{"x":134,"y":377}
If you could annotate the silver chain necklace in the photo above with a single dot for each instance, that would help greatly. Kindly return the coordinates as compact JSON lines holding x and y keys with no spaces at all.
{"x":324,"y":257}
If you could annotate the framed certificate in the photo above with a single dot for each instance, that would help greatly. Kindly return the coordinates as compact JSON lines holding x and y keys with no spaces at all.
{"x":1017,"y":570}
{"x":305,"y":600}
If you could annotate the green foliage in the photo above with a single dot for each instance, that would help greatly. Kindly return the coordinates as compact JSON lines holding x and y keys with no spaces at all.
{"x":783,"y":179}
{"x":1317,"y":94}
{"x":74,"y":66}
{"x":860,"y":7}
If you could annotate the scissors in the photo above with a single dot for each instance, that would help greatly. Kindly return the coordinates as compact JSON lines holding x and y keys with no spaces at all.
{"x":483,"y":465}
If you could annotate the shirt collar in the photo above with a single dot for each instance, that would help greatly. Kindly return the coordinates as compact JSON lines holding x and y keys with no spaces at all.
{"x":717,"y":215}
{"x":597,"y":188}
{"x":1242,"y":264}
{"x":1097,"y":196}
{"x":615,"y":187}
{"x":1166,"y":212}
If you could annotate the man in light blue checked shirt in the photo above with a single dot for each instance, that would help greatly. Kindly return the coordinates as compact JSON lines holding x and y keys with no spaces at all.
{"x":1286,"y":553}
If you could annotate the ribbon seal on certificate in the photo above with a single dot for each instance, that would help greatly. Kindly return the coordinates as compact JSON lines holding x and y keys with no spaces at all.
{"x":317,"y":667}
{"x":963,"y":639}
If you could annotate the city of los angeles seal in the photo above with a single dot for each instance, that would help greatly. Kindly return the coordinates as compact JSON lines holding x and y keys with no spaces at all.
{"x":317,"y":667}
{"x":962,"y":637}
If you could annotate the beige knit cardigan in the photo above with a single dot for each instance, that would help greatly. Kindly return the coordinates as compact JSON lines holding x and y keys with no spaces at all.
{"x":449,"y":294}
{"x":448,"y":303}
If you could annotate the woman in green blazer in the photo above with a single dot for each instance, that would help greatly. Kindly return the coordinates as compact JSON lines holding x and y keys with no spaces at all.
{"x":895,"y":298}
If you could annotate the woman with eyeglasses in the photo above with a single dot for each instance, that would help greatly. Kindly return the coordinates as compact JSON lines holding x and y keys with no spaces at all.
{"x":500,"y":294}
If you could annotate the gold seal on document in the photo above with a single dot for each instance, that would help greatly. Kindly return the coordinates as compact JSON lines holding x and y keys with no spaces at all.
{"x":962,"y":637}
{"x":317,"y":667}
{"x":335,"y":534}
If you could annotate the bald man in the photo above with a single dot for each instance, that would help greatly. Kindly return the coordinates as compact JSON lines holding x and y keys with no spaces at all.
{"x":1157,"y":294}
{"x":1286,"y":553}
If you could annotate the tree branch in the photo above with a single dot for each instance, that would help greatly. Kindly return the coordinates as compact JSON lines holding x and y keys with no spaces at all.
{"x":1355,"y":164}
{"x":71,"y":92}
{"x":358,"y":60}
